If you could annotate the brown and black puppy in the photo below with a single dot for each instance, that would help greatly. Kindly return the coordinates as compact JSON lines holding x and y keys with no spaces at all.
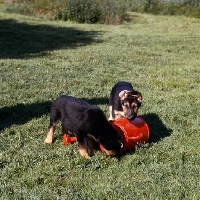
{"x":87,"y":122}
{"x":124,"y":101}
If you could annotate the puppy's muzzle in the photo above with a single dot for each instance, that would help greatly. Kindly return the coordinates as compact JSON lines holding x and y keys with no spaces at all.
{"x":131,"y":115}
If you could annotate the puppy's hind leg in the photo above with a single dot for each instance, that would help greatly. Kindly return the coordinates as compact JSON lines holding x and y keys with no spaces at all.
{"x":52,"y":126}
{"x":50,"y":133}
{"x":54,"y":119}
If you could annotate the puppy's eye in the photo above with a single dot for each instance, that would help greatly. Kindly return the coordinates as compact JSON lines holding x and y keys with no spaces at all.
{"x":135,"y":106}
{"x":125,"y":105}
{"x":122,"y":102}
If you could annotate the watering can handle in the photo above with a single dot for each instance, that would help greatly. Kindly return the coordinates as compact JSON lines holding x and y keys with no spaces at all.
{"x":137,"y":137}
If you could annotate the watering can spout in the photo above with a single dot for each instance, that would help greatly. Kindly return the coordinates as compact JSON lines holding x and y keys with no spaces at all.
{"x":67,"y":139}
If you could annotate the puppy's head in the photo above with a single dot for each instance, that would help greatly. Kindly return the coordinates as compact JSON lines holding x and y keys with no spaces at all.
{"x":110,"y":140}
{"x":101,"y":131}
{"x":131,"y":102}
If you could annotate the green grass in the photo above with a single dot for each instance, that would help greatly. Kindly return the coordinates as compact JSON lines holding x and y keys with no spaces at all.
{"x":41,"y":59}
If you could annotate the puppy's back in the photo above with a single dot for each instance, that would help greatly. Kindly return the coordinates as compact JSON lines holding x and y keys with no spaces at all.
{"x":114,"y":94}
{"x":122,"y":85}
{"x":72,"y":108}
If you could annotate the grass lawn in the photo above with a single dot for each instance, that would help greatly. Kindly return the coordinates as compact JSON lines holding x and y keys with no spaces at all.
{"x":40,"y":60}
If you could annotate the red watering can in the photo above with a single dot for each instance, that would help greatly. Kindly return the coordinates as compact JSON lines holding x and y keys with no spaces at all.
{"x":132,"y":131}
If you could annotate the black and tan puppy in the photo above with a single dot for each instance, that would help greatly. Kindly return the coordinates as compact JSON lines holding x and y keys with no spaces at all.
{"x":124,"y":101}
{"x":87,"y":122}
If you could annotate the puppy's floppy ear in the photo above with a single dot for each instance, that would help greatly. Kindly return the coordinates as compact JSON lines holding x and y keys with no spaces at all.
{"x":139,"y":98}
{"x":137,"y":95}
{"x":123,"y":94}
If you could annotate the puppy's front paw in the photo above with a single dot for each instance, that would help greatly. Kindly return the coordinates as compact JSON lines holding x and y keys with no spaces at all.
{"x":87,"y":157}
{"x":48,"y":141}
{"x":84,"y":153}
{"x":110,"y":119}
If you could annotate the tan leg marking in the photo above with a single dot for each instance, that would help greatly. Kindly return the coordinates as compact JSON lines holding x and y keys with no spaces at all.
{"x":110,"y":152}
{"x":110,"y":111}
{"x":83,"y":151}
{"x":50,"y":135}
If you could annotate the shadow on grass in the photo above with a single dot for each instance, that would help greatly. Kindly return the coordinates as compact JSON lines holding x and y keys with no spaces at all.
{"x":23,"y":40}
{"x":157,"y":129}
{"x":22,"y":113}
